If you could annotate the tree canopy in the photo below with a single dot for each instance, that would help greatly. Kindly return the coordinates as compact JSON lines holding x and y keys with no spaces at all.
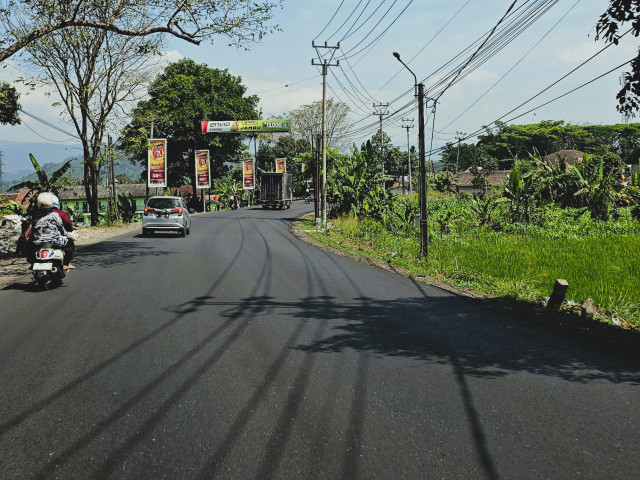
{"x":508,"y":143}
{"x":306,"y":122}
{"x":9,"y":105}
{"x":241,"y":21}
{"x":183,"y":95}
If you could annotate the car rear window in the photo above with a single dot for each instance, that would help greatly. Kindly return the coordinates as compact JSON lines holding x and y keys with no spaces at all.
{"x":164,"y":203}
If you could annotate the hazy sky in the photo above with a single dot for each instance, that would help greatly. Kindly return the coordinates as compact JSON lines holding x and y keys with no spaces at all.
{"x":537,"y":44}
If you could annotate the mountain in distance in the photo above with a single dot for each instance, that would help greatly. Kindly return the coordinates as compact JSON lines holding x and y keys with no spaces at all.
{"x":15,"y":157}
{"x":17,"y":167}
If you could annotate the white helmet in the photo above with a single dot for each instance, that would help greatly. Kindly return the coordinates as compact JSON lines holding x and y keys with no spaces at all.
{"x":48,"y":200}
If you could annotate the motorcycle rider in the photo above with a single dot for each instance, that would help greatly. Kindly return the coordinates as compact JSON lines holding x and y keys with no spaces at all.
{"x":49,"y":227}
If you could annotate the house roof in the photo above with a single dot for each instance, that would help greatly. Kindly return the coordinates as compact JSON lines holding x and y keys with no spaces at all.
{"x":126,"y":189}
{"x":464,"y":179}
{"x":572,"y":156}
{"x":16,"y":197}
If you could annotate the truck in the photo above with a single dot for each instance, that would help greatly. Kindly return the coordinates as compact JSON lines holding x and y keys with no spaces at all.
{"x":276,"y":190}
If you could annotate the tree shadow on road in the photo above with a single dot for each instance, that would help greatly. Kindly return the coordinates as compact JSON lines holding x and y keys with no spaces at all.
{"x":486,"y":338}
{"x":112,"y":253}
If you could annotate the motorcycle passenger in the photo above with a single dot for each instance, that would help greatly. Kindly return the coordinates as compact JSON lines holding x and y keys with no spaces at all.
{"x":49,"y":228}
{"x":233,"y":201}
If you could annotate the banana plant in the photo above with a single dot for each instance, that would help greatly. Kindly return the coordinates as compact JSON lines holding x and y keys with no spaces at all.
{"x":597,"y":187}
{"x":520,"y":191}
{"x":126,"y":208}
{"x":484,"y":207}
{"x":355,"y":178}
{"x":44,"y":182}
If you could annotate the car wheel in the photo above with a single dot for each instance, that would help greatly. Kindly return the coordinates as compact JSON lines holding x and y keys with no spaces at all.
{"x":183,"y":232}
{"x":145,"y":232}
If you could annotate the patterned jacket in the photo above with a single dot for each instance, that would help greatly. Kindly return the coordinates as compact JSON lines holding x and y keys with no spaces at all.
{"x":48,"y":229}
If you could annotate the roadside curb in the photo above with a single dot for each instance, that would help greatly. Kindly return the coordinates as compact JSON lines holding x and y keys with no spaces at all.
{"x":562,"y":321}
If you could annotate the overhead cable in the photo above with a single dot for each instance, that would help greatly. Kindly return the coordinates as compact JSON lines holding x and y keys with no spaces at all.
{"x":330,"y":20}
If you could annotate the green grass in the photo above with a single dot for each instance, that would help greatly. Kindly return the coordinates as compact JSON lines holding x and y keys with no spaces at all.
{"x":524,"y":267}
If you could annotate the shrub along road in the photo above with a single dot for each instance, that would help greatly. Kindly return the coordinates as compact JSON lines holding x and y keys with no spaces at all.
{"x":242,"y":352}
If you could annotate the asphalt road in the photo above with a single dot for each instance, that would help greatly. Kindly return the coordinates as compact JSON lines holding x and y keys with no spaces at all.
{"x":240,"y":352}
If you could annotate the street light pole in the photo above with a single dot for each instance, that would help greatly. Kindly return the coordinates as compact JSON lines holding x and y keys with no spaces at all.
{"x":422,"y":190}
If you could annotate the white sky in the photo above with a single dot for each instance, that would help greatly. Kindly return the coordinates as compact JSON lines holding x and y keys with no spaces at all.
{"x":427,"y":34}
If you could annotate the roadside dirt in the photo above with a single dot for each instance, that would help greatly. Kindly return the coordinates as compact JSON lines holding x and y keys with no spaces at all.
{"x":14,"y":269}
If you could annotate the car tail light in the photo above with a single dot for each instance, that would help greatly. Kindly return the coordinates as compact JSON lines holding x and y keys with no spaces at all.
{"x":178,"y":211}
{"x":147,"y":210}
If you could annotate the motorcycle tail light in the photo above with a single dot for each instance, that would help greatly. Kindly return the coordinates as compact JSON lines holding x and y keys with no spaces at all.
{"x":44,"y":253}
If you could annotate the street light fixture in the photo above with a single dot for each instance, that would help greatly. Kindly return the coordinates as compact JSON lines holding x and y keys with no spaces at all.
{"x":422,"y":191}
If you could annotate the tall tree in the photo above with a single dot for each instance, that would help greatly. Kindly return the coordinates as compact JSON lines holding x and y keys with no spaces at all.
{"x":183,"y":95}
{"x":241,"y":21}
{"x":306,"y":122}
{"x":93,"y":73}
{"x":9,"y":105}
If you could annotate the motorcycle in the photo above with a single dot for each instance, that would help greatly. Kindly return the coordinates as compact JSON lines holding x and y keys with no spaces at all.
{"x":47,"y":268}
{"x":233,"y":203}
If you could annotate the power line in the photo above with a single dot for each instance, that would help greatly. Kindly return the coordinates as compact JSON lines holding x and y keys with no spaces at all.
{"x":286,"y":85}
{"x":380,"y":35}
{"x":428,"y":43}
{"x":330,"y":20}
{"x":350,"y":15}
{"x":471,"y":135}
{"x":55,"y":127}
{"x":516,"y":64}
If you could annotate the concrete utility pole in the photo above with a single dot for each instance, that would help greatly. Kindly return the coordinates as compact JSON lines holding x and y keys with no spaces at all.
{"x":459,"y":136}
{"x":381,"y":111}
{"x":325,"y":64}
{"x":407,"y":123}
{"x":422,"y":191}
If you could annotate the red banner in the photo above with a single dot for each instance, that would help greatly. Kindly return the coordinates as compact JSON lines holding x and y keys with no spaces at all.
{"x":157,"y":163}
{"x":203,"y":170}
{"x":247,"y":174}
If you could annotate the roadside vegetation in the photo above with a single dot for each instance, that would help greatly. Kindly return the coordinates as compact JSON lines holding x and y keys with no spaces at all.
{"x":579,"y":224}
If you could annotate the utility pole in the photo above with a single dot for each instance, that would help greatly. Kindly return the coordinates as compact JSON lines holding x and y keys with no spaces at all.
{"x":407,"y":123}
{"x":459,"y":136}
{"x":423,"y":192}
{"x":381,"y":111}
{"x":325,"y":65}
{"x":316,"y":199}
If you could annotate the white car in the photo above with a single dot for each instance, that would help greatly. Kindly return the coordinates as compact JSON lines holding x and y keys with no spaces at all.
{"x":166,"y":214}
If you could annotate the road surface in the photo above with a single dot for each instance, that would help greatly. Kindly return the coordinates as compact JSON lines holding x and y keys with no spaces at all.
{"x":240,"y":352}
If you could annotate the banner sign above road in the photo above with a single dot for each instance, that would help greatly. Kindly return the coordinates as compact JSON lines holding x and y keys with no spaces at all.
{"x":246,"y":126}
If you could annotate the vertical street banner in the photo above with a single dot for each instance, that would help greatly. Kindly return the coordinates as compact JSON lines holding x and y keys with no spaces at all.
{"x":203,"y":170}
{"x":281,"y":165}
{"x":157,"y":163}
{"x":247,"y":174}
